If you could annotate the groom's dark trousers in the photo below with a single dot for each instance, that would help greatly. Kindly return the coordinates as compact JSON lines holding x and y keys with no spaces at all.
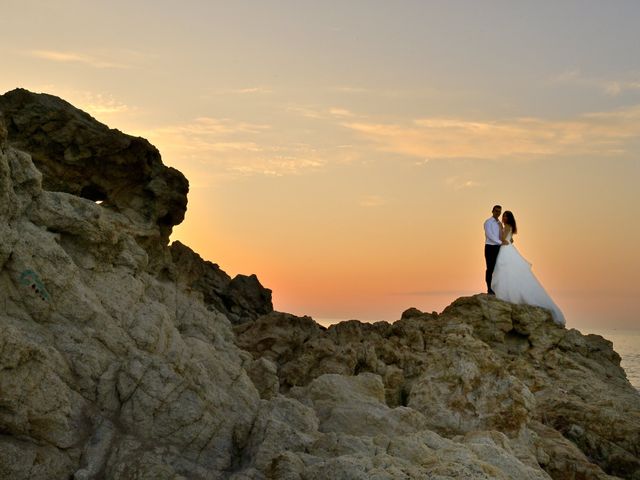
{"x":490,"y":255}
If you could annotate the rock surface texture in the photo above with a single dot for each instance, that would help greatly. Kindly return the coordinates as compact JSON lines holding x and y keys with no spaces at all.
{"x":120,"y":361}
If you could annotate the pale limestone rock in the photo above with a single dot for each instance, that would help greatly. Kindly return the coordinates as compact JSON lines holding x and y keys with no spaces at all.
{"x":23,"y":459}
{"x":95,"y":453}
{"x":281,"y":424}
{"x":358,"y":436}
{"x":482,"y":365}
{"x":95,"y":350}
{"x":496,"y":449}
{"x":264,"y":375}
{"x":465,"y":376}
{"x":355,"y":405}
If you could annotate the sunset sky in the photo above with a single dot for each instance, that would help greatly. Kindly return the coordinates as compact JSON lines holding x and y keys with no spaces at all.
{"x":348,"y":152}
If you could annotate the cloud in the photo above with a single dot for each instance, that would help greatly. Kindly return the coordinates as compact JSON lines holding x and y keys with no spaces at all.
{"x":208,"y":126}
{"x":340,"y":112}
{"x":457,"y":183}
{"x":243,"y":91}
{"x":257,"y":90}
{"x":99,"y":104}
{"x":307,"y":112}
{"x":231,"y":148}
{"x":277,"y":166}
{"x":612,"y":87}
{"x":75,"y":57}
{"x":208,"y":136}
{"x":601,"y":133}
{"x":321,"y":113}
{"x":616,"y":88}
{"x":421,"y":162}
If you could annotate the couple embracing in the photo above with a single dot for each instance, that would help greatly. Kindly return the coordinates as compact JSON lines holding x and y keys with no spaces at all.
{"x":509,"y":276}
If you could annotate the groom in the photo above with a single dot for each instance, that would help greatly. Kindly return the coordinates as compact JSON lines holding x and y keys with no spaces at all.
{"x":493,"y":240}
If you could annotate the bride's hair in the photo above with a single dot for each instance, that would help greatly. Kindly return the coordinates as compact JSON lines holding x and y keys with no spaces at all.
{"x":510,"y":220}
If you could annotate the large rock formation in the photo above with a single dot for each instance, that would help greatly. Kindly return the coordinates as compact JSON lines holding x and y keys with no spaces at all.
{"x":482,"y":365}
{"x":105,"y":369}
{"x":121,"y":362}
{"x":79,"y":155}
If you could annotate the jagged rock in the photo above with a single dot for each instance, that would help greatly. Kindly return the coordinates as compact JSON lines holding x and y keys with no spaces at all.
{"x":246,"y":294}
{"x":482,"y":364}
{"x":241,"y":299}
{"x":79,"y":155}
{"x":205,"y":277}
{"x":411,"y":313}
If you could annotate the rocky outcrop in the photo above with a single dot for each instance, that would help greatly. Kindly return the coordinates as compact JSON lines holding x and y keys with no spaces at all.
{"x":481,"y":366}
{"x":241,"y":299}
{"x":106,"y":371}
{"x":121,"y":362}
{"x":77,"y":154}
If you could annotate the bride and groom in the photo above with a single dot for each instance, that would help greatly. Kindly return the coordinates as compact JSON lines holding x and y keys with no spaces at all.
{"x":509,"y":276}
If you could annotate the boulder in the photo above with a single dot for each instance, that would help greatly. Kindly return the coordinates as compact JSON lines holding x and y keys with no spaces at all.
{"x":77,"y":154}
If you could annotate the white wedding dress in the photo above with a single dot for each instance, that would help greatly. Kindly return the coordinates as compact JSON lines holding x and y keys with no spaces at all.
{"x":513,"y":281}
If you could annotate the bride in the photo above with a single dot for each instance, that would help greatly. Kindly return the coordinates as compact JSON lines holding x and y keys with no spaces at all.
{"x":513,"y":280}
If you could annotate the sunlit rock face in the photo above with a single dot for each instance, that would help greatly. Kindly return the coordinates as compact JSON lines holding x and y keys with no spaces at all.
{"x":121,"y":361}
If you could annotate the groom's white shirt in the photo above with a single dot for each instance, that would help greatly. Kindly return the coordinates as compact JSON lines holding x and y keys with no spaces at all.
{"x":492,"y":232}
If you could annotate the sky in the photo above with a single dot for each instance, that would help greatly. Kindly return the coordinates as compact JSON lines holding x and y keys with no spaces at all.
{"x":348,"y":153}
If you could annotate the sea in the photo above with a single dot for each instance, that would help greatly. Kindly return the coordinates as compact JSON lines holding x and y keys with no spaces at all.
{"x":625,"y":342}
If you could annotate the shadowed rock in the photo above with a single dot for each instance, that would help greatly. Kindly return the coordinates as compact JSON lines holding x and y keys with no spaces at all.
{"x":77,"y":154}
{"x":241,"y":299}
{"x":3,"y":131}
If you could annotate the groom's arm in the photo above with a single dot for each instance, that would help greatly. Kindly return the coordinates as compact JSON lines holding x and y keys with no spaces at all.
{"x":492,"y":231}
